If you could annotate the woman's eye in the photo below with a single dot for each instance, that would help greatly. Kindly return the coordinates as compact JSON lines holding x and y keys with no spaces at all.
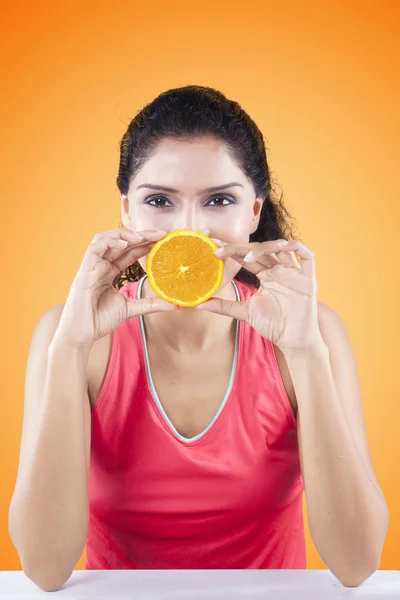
{"x":163,"y":202}
{"x":157,"y":204}
{"x":221,"y":198}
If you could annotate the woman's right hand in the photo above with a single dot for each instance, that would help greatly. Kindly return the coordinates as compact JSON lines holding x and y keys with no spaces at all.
{"x":94,"y":307}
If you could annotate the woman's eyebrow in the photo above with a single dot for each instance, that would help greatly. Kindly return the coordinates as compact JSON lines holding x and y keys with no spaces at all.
{"x":173,"y":190}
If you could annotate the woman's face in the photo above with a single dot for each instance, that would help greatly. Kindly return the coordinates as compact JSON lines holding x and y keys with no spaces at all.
{"x":189,"y":168}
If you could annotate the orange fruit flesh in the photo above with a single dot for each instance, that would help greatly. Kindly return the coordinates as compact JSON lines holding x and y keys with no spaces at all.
{"x":182,"y":268}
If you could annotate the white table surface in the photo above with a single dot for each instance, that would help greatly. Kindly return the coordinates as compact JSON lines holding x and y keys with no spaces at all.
{"x":203,"y":585}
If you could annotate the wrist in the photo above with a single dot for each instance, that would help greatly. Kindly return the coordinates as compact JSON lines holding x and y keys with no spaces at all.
{"x":62,"y":344}
{"x":316,"y":347}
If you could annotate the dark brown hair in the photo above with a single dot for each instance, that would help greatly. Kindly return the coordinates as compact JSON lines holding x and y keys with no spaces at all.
{"x":193,"y":111}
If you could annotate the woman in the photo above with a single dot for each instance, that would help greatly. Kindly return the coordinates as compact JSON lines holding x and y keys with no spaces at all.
{"x":202,"y":426}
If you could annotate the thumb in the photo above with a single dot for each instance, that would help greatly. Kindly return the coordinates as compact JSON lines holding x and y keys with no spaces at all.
{"x":229,"y":308}
{"x":145,"y":306}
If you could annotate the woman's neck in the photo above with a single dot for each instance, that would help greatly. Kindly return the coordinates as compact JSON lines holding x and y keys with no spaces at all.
{"x":189,"y":329}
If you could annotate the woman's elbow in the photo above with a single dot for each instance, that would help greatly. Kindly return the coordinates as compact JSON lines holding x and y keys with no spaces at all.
{"x":356,"y":575}
{"x":48,"y":579}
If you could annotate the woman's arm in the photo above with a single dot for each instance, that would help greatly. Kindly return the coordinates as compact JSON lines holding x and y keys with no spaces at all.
{"x":347,"y":512}
{"x":48,"y":515}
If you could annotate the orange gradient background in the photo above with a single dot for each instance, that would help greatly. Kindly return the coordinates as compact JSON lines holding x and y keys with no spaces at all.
{"x":319,"y":81}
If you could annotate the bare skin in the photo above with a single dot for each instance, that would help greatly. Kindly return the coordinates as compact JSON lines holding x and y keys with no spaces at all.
{"x":190,"y":340}
{"x":189,"y":414}
{"x":71,"y":346}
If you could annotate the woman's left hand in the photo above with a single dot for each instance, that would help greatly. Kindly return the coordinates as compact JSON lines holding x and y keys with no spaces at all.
{"x":284,"y":309}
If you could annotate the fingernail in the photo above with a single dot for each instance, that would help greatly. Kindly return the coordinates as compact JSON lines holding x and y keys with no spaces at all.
{"x":219,"y":252}
{"x":282,"y":242}
{"x":148,"y":235}
{"x":249,"y":257}
{"x":294,"y":258}
{"x":220,"y":242}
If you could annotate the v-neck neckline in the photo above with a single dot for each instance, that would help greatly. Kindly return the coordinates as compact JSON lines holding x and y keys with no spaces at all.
{"x":153,"y":391}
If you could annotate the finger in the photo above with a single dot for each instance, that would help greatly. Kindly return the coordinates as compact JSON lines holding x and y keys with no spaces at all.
{"x":227,"y":250}
{"x":96,"y":251}
{"x":112,"y":247}
{"x":222,"y":306}
{"x":147,"y":239}
{"x":242,"y":249}
{"x":114,"y":251}
{"x":257,"y":267}
{"x":258,"y":259}
{"x":145,"y":306}
{"x":118,"y":253}
{"x":131,"y":255}
{"x":129,"y":235}
{"x":152,"y":235}
{"x":220,"y":243}
{"x":118,"y":234}
{"x":285,"y":255}
{"x":307,"y":264}
{"x":247,"y":260}
{"x":289,"y":259}
{"x":261,"y":260}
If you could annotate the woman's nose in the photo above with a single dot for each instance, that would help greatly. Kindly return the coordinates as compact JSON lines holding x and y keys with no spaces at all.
{"x":190,"y":219}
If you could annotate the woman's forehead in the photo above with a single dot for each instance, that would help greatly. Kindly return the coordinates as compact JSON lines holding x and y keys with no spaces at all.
{"x":202,"y":164}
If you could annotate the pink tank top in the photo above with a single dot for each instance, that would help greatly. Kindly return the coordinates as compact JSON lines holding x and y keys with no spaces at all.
{"x":228,"y":498}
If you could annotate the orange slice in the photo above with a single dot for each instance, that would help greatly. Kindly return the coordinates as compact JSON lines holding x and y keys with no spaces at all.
{"x":182,"y":269}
